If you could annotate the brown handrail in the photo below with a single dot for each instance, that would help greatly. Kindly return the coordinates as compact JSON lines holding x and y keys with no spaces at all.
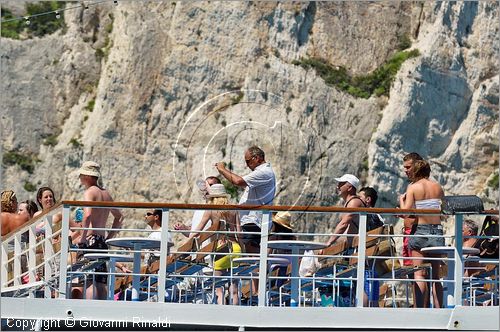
{"x":176,"y":206}
{"x":32,"y":221}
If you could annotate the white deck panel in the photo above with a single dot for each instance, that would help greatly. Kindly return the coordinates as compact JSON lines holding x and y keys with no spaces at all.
{"x":459,"y":318}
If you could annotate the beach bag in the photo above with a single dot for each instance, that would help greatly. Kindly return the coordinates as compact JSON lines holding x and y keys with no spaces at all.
{"x":309,"y":264}
{"x":488,"y":248}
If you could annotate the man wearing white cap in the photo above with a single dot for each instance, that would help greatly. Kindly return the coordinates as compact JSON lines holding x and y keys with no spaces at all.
{"x":347,"y":185}
{"x":89,"y":175}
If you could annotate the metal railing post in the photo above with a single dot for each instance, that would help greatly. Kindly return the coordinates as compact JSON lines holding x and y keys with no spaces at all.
{"x":361,"y":261}
{"x":162,"y":273}
{"x":264,"y":233}
{"x":17,"y":259}
{"x":48,"y":252}
{"x":459,"y":261}
{"x":63,"y":262}
{"x":32,"y":254}
{"x":5,"y":265}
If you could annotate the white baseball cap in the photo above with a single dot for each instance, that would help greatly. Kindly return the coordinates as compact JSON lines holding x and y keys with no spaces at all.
{"x":353,"y":180}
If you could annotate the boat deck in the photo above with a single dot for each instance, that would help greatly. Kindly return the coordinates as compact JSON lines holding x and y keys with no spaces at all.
{"x":37,"y":288}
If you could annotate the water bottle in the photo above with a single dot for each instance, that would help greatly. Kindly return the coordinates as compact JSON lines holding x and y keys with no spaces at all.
{"x":79,"y":215}
{"x":201,"y":184}
{"x":135,"y":295}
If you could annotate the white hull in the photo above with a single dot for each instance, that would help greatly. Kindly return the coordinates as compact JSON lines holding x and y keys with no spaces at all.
{"x":146,"y":315}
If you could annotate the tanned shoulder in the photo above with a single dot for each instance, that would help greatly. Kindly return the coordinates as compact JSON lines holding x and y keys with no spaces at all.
{"x":356,"y":202}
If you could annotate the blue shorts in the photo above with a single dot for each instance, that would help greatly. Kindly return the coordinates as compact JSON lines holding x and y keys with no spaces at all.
{"x":420,"y":240}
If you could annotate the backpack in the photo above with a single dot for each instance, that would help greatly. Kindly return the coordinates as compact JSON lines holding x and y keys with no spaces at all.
{"x":373,"y":221}
{"x":488,"y":248}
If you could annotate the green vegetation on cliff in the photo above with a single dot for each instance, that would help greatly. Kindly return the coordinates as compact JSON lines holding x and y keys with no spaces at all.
{"x":26,"y":162}
{"x":377,"y":82}
{"x":36,"y":25}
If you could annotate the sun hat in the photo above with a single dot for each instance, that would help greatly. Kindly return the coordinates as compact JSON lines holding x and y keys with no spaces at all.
{"x":90,"y":168}
{"x":354,"y":181}
{"x":283,"y":218}
{"x":217,"y":190}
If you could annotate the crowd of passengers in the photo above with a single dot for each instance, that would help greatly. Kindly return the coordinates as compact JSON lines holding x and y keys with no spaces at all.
{"x":259,"y":189}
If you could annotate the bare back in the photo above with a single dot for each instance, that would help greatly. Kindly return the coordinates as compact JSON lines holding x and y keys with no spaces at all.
{"x":425,"y":189}
{"x":11,"y":221}
{"x":232,"y":219}
{"x":98,"y":217}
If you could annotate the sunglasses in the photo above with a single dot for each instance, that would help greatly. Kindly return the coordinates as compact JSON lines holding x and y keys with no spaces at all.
{"x":149,"y":214}
{"x":248,"y":160}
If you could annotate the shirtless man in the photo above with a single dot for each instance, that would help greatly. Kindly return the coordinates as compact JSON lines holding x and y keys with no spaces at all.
{"x":347,"y":185}
{"x":10,"y":219}
{"x":89,"y":175}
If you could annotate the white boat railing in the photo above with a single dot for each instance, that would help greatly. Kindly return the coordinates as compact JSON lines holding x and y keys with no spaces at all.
{"x":30,"y":254}
{"x":26,"y":267}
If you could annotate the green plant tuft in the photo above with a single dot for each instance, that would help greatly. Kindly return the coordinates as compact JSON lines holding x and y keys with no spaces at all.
{"x":238,"y":98}
{"x":364,"y":164}
{"x":50,"y":140}
{"x":90,"y":105}
{"x":493,"y":183}
{"x":231,"y":189}
{"x":75,"y":142}
{"x":30,"y":187}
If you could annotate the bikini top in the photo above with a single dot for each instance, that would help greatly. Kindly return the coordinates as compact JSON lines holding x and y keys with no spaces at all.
{"x":432,"y":203}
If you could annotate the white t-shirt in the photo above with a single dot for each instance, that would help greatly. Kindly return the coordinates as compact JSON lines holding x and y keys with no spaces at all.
{"x":261,"y":186}
{"x":260,"y":190}
{"x":197,"y":216}
{"x":156,"y":235}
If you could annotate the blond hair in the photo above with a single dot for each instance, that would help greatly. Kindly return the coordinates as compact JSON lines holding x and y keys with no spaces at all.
{"x":7,"y":201}
{"x":219,"y":200}
{"x":223,"y":200}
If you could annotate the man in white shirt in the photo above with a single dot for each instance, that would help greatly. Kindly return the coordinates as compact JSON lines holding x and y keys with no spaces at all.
{"x":260,"y":188}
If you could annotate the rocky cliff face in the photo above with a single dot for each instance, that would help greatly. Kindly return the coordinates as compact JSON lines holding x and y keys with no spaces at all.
{"x":157,"y":92}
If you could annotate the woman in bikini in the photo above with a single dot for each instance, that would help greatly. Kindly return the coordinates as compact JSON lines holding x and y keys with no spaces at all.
{"x":423,"y":193}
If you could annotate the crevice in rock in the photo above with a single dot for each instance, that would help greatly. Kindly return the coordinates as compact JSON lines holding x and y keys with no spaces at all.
{"x":306,"y":25}
{"x":417,"y":29}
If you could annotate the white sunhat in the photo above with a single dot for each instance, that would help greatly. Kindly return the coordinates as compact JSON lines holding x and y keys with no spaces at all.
{"x":217,"y":190}
{"x":353,"y":180}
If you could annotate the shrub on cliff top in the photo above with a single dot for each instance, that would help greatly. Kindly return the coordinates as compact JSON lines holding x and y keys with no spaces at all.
{"x":10,"y":29}
{"x":38,"y":25}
